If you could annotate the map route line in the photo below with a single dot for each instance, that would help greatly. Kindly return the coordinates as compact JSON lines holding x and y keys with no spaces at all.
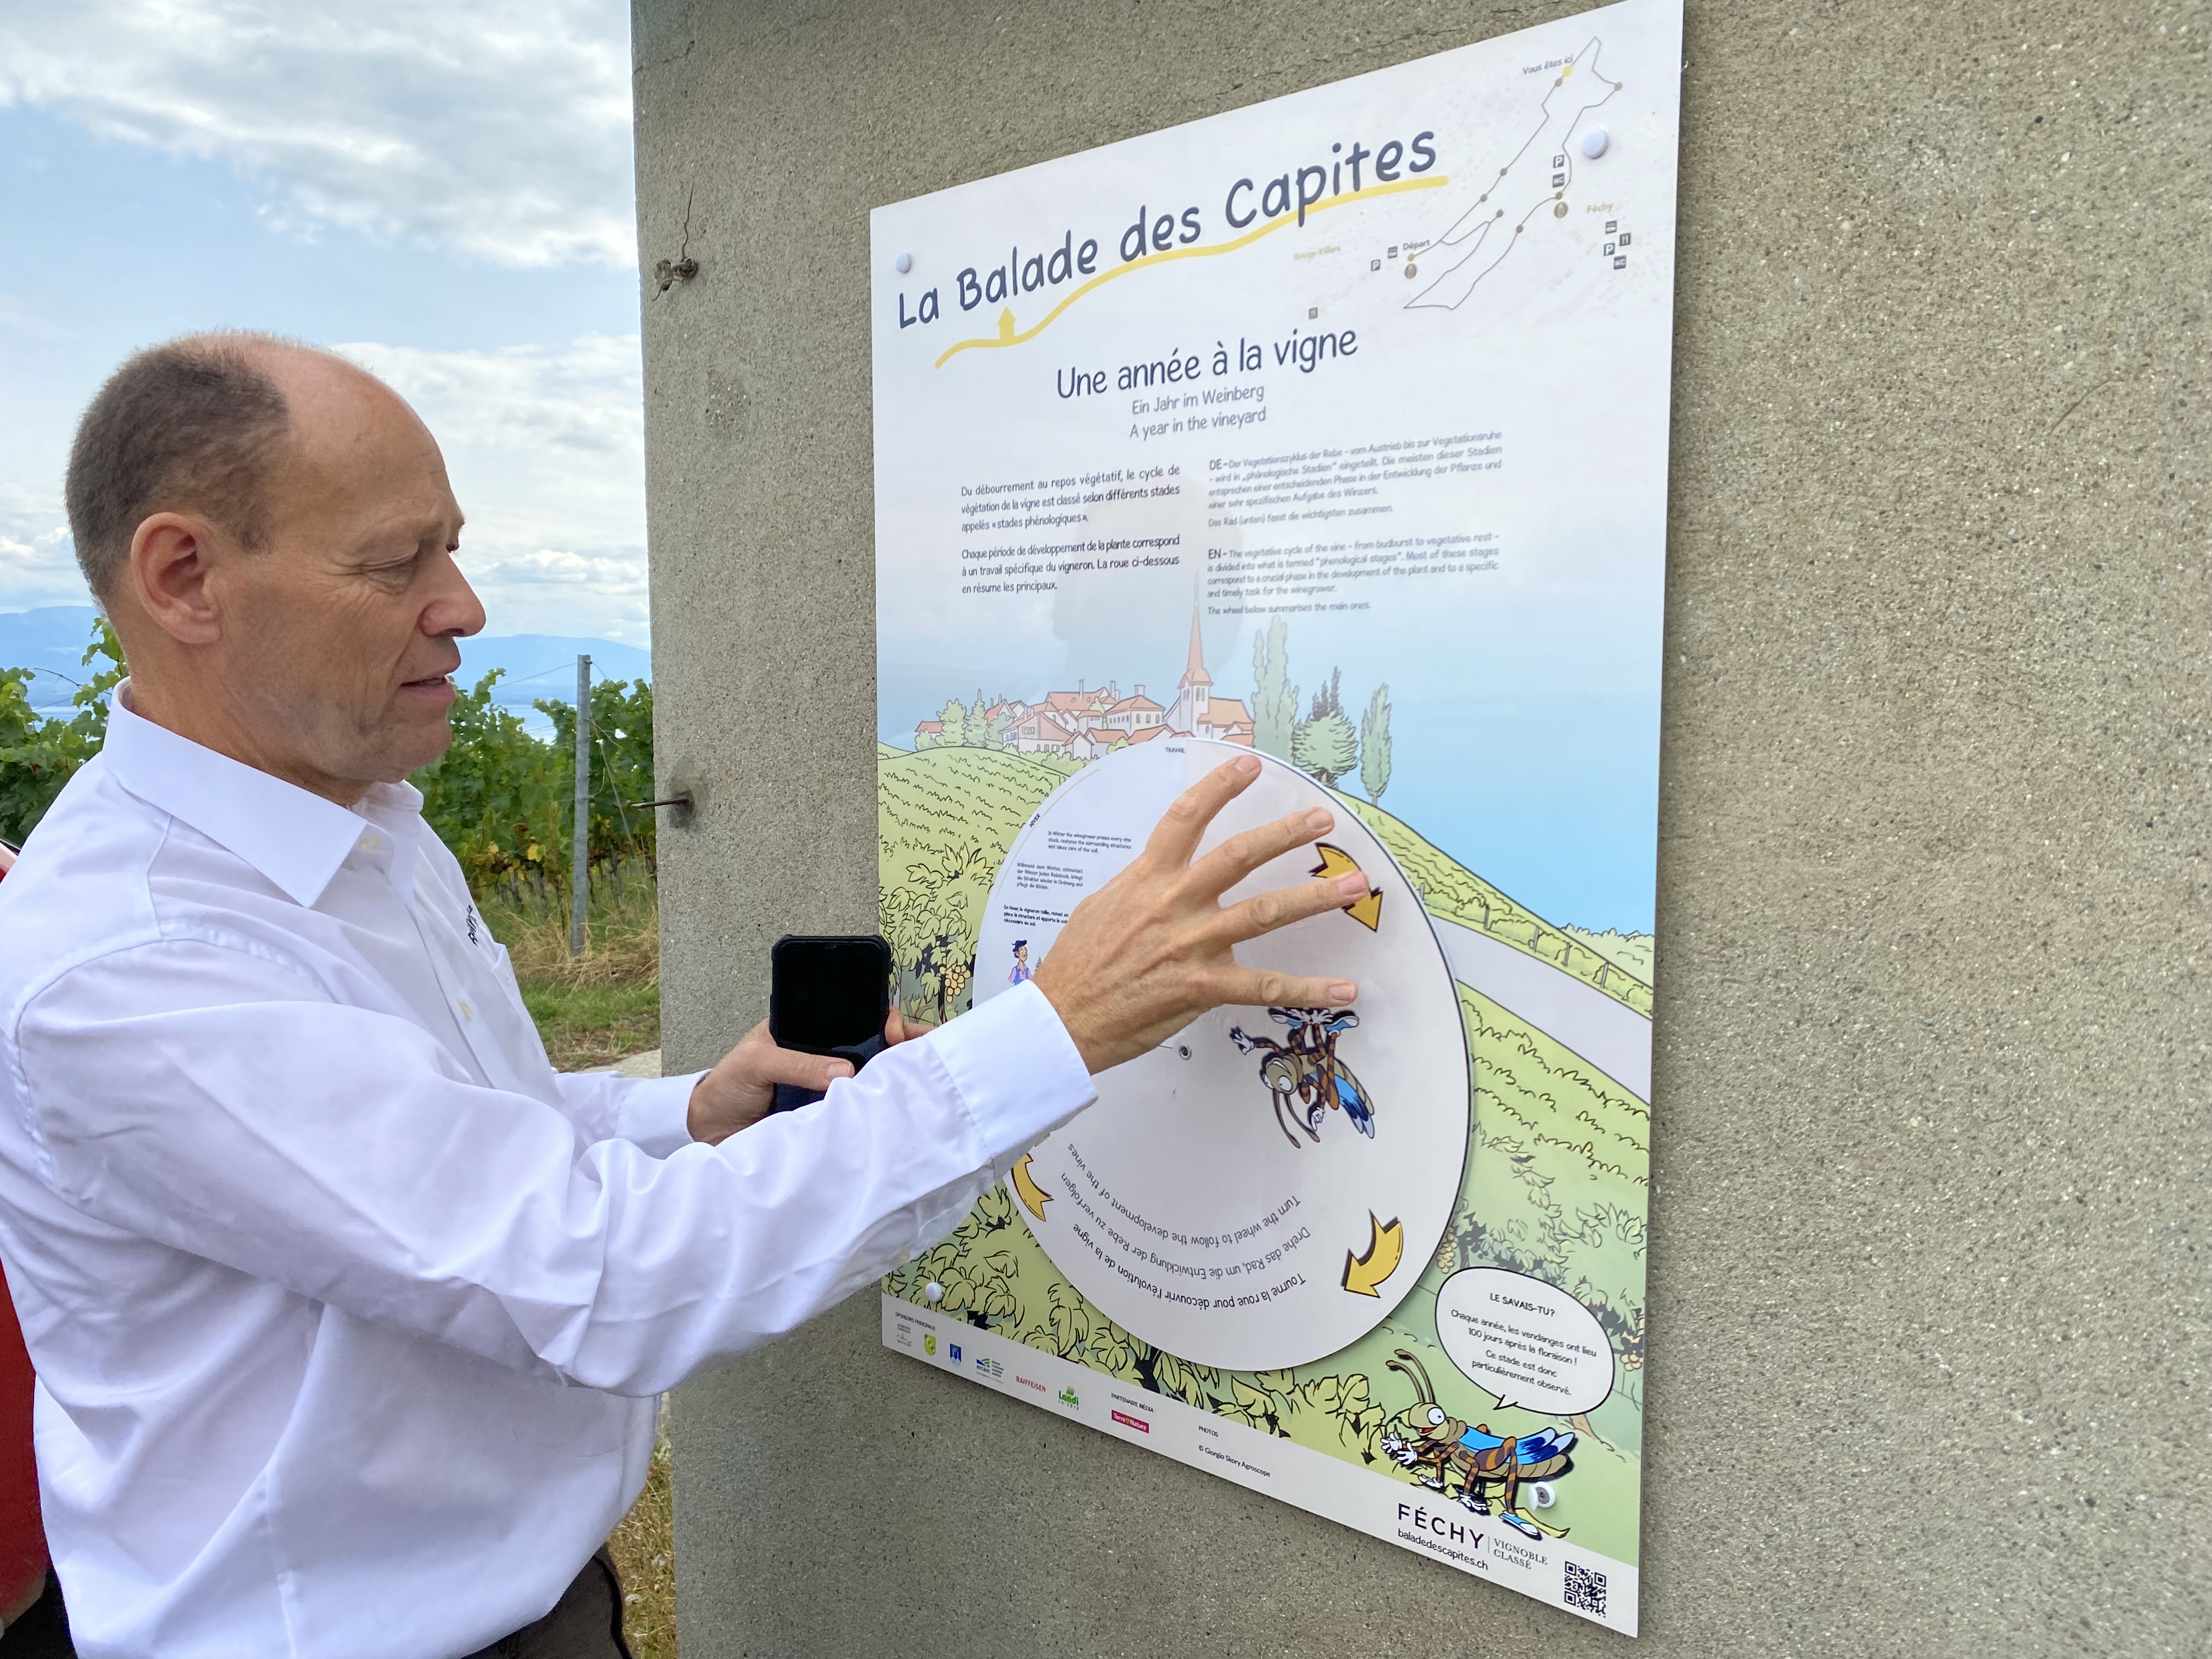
{"x":1007,"y":337}
{"x":1424,"y":300}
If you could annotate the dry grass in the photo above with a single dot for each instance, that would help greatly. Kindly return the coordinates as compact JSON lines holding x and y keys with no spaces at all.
{"x":604,"y":1006}
{"x":594,"y":1011}
{"x":621,"y":945}
{"x":644,"y":1548}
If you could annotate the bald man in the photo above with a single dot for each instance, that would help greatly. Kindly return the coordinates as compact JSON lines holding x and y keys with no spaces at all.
{"x":350,"y":1312}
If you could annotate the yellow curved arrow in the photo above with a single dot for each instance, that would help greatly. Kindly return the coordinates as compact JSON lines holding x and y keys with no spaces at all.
{"x":1386,"y":1249}
{"x":1034,"y":1198}
{"x":1334,"y":862}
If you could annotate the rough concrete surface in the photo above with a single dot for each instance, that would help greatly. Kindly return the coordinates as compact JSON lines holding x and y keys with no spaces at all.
{"x":1929,"y":1335}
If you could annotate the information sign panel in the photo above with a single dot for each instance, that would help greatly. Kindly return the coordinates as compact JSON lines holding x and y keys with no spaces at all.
{"x":1333,"y":428}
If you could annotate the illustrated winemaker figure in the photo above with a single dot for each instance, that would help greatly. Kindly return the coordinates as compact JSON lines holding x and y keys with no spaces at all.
{"x":349,"y":1311}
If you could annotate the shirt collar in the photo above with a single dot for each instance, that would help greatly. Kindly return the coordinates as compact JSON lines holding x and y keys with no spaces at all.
{"x":296,"y":839}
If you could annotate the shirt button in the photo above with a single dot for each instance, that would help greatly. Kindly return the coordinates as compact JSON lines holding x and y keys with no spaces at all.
{"x":370,"y":842}
{"x":467,"y":1012}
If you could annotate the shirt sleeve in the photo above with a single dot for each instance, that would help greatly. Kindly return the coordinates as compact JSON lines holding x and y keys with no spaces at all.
{"x":186,"y":1091}
{"x":654,"y":1112}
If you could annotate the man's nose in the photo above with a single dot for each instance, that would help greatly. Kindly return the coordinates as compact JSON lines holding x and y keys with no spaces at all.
{"x":456,"y":611}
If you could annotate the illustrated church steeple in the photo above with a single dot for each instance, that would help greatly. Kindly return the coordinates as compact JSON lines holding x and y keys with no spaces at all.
{"x":1195,"y":692}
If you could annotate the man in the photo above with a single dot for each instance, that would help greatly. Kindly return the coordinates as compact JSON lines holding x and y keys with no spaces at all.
{"x":349,"y":1313}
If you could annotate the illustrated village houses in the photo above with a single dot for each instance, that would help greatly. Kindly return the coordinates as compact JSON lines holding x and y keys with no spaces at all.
{"x":1086,"y":723}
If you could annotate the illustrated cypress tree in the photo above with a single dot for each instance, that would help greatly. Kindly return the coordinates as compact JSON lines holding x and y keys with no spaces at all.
{"x":1275,"y":699}
{"x":954,"y":716}
{"x":1324,"y":743}
{"x":1374,"y":744}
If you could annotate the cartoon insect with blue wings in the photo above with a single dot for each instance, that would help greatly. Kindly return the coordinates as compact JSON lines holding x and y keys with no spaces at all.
{"x":1304,"y":1075}
{"x":1445,"y":1454}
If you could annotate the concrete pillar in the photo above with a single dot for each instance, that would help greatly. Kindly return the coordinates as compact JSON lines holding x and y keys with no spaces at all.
{"x":1928,"y":1339}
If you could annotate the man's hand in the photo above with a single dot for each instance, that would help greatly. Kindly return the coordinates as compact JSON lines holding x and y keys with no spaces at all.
{"x":1149,"y":952}
{"x":737,"y":1093}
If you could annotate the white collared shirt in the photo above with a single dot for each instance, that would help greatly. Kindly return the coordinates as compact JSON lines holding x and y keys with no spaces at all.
{"x":349,"y":1311}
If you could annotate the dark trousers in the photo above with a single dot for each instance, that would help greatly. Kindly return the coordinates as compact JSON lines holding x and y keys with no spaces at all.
{"x":586,"y":1623}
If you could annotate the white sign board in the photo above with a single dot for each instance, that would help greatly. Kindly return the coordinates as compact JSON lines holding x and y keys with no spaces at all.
{"x":1333,"y":428}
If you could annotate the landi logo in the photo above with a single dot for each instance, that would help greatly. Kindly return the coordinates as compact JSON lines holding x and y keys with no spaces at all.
{"x":1136,"y":1423}
{"x":1069,"y":1397}
{"x":929,"y":1345}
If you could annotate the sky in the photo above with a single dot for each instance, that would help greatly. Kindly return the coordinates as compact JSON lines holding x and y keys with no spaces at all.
{"x":442,"y":193}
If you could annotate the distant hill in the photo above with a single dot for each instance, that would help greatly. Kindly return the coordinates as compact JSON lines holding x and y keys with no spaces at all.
{"x":51,"y":639}
{"x":544,"y":665}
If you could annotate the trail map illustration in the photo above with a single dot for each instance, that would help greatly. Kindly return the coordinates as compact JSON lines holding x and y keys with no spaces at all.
{"x":1332,"y":429}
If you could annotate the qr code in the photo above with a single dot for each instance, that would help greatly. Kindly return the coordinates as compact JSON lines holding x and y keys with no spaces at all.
{"x":1586,"y":1590}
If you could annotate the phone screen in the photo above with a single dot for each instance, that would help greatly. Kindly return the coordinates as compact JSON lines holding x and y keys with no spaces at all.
{"x":827,"y":993}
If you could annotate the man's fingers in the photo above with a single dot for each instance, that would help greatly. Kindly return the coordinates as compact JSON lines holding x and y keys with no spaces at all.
{"x":1262,"y":988}
{"x":1246,"y":851}
{"x":899,"y":1029}
{"x":1176,"y":838}
{"x":1263,"y":913}
{"x":801,"y":1070}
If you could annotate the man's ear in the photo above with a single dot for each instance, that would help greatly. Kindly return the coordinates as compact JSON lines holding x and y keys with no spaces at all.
{"x":170,"y":572}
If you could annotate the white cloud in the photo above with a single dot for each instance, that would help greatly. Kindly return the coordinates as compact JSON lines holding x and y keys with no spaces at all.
{"x":546,"y":450}
{"x":38,"y":561}
{"x":499,"y":128}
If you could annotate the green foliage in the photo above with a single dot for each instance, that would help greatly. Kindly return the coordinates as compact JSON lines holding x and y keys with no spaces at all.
{"x":1275,"y":699}
{"x":499,"y":798}
{"x":953,"y":719}
{"x":1631,"y":952}
{"x":494,"y":798}
{"x":985,"y":730}
{"x":1324,"y":743}
{"x":993,"y":1273}
{"x":505,"y":802}
{"x":39,"y":756}
{"x":622,"y":766}
{"x":1374,"y":744}
{"x":967,"y":726}
{"x":945,"y":818}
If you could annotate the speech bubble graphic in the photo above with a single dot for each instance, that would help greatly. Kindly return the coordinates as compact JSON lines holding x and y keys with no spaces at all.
{"x":1530,"y":1343}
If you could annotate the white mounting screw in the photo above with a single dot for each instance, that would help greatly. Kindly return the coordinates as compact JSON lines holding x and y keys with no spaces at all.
{"x":1543,"y":1496}
{"x":1593,"y":142}
{"x":905,"y":263}
{"x":934,"y":1291}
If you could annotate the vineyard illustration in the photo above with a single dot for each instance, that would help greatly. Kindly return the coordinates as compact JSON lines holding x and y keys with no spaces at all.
{"x":1555,"y":1186}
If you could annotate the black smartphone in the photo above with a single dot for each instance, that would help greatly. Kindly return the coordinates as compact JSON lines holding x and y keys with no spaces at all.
{"x":828,"y":993}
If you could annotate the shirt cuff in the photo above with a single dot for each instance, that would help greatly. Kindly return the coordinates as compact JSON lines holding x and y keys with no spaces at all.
{"x":656,"y":1113}
{"x":1017,"y":1070}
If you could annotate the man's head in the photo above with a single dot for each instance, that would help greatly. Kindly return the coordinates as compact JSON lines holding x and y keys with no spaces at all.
{"x":271,"y":532}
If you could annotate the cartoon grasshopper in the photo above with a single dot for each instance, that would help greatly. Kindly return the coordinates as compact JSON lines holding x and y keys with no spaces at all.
{"x":1304,"y":1075}
{"x":1443,"y":1451}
